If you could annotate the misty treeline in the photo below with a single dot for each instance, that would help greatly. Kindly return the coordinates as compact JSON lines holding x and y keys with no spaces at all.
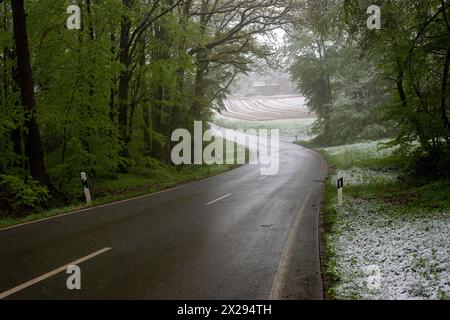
{"x":373,"y":84}
{"x":107,"y":97}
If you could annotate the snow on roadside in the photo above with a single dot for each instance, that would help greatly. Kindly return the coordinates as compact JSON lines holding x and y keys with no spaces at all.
{"x":378,"y":252}
{"x":360,"y":176}
{"x":411,"y":253}
{"x":371,"y":149}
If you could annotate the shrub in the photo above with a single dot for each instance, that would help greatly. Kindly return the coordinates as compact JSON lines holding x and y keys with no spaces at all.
{"x":66,"y":178}
{"x":373,"y":132}
{"x":19,"y":197}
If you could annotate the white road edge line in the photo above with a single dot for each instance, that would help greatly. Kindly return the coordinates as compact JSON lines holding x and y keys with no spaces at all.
{"x":262,"y":178}
{"x":279,"y":281}
{"x":280,"y":276}
{"x":50,"y":274}
{"x":217,"y":200}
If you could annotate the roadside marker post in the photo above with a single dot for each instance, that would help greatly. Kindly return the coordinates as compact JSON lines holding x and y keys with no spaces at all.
{"x":86,"y":187}
{"x":340,"y":186}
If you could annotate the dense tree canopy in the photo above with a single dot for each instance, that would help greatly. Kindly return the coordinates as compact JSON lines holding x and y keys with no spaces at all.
{"x":368,"y":83}
{"x":107,"y":97}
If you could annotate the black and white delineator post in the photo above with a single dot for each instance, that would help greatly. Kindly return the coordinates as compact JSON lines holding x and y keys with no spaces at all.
{"x":86,"y":187}
{"x":340,"y":186}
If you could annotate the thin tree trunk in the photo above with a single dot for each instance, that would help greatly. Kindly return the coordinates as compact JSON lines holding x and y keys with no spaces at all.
{"x":400,"y":87}
{"x":112,"y":92}
{"x":157,"y":147}
{"x":91,"y":24}
{"x":145,"y":106}
{"x":199,"y":95}
{"x":124,"y":79}
{"x":147,"y":129}
{"x":445,"y":90}
{"x":160,"y":54}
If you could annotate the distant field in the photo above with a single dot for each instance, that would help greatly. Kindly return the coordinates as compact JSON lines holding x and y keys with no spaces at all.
{"x":267,"y":108}
{"x":285,"y":113}
{"x":289,"y":128}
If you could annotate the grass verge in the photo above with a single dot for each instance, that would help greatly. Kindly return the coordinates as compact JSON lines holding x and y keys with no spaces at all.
{"x":390,"y":220}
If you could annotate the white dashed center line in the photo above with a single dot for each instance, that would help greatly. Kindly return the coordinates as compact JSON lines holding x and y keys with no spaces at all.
{"x":50,"y":274}
{"x":217,"y":200}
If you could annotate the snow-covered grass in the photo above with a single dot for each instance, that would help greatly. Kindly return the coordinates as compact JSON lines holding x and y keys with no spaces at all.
{"x":362,"y":176}
{"x":390,"y":240}
{"x":411,"y":252}
{"x":370,"y":148}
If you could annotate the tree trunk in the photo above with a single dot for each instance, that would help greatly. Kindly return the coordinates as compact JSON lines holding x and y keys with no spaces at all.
{"x":147,"y":129}
{"x":16,"y":134}
{"x":33,"y":138}
{"x":124,"y":79}
{"x":202,"y":65}
{"x":157,"y":147}
{"x":112,"y":92}
{"x":161,"y":53}
{"x":91,"y":24}
{"x":400,"y":87}
{"x":444,"y":90}
{"x":145,"y":106}
{"x":199,"y":95}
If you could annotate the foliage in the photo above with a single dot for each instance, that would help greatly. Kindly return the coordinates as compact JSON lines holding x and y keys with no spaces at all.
{"x":109,"y":96}
{"x":341,"y":86}
{"x":18,"y":196}
{"x":372,"y":84}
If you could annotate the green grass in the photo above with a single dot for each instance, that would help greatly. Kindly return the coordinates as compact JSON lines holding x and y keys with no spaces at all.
{"x":407,"y":197}
{"x":140,"y":181}
{"x":288,"y":128}
{"x":363,"y":155}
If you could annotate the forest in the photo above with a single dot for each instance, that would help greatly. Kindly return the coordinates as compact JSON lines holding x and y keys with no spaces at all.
{"x":391,"y":82}
{"x":106,"y":98}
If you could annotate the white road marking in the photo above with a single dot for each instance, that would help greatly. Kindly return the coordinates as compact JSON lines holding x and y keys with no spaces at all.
{"x":217,"y":200}
{"x":280,"y":276}
{"x":50,"y":274}
{"x":262,"y":178}
{"x":279,"y":281}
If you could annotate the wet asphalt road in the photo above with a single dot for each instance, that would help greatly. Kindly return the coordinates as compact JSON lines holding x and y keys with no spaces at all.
{"x":259,"y":242}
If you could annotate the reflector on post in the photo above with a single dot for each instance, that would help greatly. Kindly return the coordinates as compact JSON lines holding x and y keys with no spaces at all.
{"x":340,"y":186}
{"x":84,"y":181}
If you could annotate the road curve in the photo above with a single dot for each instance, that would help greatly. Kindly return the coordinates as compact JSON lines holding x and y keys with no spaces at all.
{"x":234,"y":236}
